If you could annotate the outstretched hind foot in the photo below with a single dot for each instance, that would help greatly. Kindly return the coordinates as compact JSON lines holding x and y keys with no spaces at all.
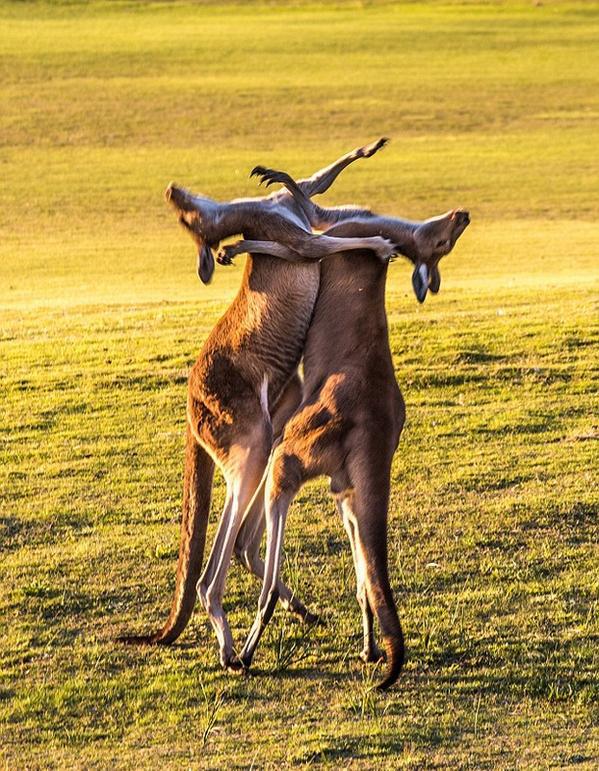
{"x":369,"y":150}
{"x":269,"y":177}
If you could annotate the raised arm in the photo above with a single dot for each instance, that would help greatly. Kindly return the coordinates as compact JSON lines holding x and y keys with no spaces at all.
{"x":273,"y":248}
{"x":321,"y":181}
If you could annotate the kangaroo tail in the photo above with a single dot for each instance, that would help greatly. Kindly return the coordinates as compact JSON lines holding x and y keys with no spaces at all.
{"x":383,"y":607}
{"x":395,"y":654}
{"x":197,"y":491}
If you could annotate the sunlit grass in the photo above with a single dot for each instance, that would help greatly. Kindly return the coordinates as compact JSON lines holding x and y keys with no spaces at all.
{"x":493,"y":543}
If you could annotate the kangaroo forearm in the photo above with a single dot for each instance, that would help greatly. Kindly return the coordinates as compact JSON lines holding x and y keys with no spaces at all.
{"x":272,"y":248}
{"x":309,"y":248}
{"x":319,"y":217}
{"x":321,"y":181}
{"x":299,"y":195}
{"x":323,"y":246}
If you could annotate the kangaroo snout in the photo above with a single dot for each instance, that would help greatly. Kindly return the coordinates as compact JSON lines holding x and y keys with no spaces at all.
{"x":461,"y":217}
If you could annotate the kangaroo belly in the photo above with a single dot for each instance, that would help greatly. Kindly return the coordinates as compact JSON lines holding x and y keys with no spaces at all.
{"x":262,"y":334}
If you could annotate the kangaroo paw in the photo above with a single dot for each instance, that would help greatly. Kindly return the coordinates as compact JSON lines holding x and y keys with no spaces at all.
{"x":226,"y":254}
{"x":267,"y":176}
{"x":385,"y":250}
{"x":258,"y":171}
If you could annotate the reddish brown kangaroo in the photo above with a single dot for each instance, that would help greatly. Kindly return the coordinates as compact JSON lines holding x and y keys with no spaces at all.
{"x":350,"y":419}
{"x":244,"y":385}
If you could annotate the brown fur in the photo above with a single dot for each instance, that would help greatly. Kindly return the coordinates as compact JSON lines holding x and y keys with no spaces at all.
{"x":350,"y":420}
{"x":250,"y":358}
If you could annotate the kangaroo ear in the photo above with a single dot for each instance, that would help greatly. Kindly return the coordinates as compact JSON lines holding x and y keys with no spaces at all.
{"x":205,"y":264}
{"x":435,"y":279}
{"x":420,"y":281}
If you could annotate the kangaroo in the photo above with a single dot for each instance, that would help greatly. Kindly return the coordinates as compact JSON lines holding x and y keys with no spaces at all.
{"x":421,"y":247}
{"x":244,"y":385}
{"x":352,"y":413}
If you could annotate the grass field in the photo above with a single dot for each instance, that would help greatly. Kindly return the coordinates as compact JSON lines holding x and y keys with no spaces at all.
{"x":494,"y":513}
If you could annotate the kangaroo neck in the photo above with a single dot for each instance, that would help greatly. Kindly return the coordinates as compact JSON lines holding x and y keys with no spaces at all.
{"x":226,"y":220}
{"x":401,"y":232}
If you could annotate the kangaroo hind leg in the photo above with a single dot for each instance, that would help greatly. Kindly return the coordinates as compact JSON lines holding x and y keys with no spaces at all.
{"x":247,"y":551}
{"x":247,"y":547}
{"x":281,"y":488}
{"x":369,"y":518}
{"x":243,"y":475}
{"x":370,"y":652}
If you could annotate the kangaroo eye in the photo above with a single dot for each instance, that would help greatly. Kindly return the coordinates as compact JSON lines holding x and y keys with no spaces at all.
{"x":439,"y":244}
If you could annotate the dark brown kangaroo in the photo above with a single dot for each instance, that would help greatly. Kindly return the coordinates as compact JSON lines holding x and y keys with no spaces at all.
{"x":350,"y":419}
{"x":243,"y":387}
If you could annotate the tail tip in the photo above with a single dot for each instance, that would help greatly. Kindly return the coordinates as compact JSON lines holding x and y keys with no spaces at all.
{"x":396,"y":657}
{"x":134,"y":639}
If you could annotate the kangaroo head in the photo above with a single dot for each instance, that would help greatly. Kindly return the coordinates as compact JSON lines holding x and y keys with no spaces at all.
{"x":433,"y":239}
{"x":194,"y":217}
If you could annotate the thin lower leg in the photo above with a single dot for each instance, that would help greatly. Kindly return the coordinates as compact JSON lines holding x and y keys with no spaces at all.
{"x":321,"y":180}
{"x":211,"y":585}
{"x":276,"y":515}
{"x":370,"y":651}
{"x":247,"y":551}
{"x":206,"y":587}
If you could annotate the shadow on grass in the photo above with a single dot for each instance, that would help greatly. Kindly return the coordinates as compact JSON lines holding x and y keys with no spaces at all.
{"x":317,"y":673}
{"x":17,"y":533}
{"x":517,"y":429}
{"x":336,"y":751}
{"x":547,"y":669}
{"x":478,"y":357}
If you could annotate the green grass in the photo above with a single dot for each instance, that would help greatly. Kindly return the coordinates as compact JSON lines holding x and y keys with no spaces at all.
{"x":494,"y":512}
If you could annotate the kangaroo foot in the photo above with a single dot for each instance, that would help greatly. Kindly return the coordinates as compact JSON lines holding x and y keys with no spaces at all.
{"x":268,"y":177}
{"x":368,"y":150}
{"x":234,"y":665}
